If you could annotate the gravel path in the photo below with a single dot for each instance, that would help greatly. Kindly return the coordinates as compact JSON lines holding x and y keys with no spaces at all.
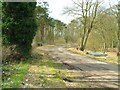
{"x":96,"y":72}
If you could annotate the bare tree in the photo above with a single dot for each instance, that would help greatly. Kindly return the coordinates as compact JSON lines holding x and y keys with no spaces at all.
{"x":87,"y":10}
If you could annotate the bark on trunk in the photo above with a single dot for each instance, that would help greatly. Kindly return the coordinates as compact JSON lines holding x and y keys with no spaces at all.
{"x":118,"y":54}
{"x":104,"y":47}
{"x":42,"y":35}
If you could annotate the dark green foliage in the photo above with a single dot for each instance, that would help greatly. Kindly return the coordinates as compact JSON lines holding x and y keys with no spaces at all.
{"x":19,"y":24}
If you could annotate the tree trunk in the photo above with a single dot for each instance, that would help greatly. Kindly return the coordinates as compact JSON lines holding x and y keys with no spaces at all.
{"x":104,"y":47}
{"x":112,"y":46}
{"x":85,"y":41}
{"x":118,"y":32}
{"x":118,"y":54}
{"x":82,"y":41}
{"x":42,"y":35}
{"x":53,"y":35}
{"x":82,"y":47}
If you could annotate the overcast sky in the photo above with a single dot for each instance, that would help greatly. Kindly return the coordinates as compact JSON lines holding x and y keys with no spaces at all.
{"x":56,"y":7}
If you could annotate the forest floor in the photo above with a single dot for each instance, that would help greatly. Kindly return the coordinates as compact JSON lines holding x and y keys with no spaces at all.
{"x":56,"y":67}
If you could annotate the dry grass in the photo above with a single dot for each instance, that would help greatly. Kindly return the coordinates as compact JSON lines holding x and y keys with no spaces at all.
{"x":111,"y":58}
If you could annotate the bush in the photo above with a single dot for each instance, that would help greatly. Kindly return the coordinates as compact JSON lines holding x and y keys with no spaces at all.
{"x":19,"y":25}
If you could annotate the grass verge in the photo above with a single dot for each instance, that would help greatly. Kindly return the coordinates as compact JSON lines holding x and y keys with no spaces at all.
{"x":111,"y":58}
{"x":13,"y":73}
{"x":50,"y":73}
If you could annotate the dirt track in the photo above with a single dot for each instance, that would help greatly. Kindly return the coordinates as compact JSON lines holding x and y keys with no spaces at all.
{"x":91,"y":70}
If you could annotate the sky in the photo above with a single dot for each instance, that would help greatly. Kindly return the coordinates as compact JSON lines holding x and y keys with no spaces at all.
{"x":56,"y":8}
